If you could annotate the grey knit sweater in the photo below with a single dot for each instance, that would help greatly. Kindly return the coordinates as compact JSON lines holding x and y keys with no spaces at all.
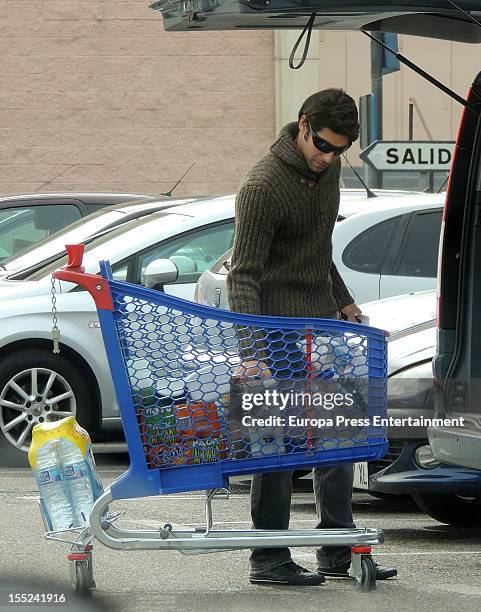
{"x":282,"y":258}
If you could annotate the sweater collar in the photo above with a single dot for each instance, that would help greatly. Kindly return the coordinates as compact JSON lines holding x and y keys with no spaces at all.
{"x":285,"y":149}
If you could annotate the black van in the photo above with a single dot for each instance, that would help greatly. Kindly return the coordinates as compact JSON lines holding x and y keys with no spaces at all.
{"x":457,"y":366}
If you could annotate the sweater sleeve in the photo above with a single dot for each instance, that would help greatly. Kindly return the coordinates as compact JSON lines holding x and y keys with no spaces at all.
{"x":257,"y":220}
{"x":339,"y":290}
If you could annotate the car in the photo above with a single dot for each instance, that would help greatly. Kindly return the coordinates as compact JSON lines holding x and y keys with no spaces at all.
{"x":382,"y":247}
{"x":27,"y":219}
{"x":37,"y":385}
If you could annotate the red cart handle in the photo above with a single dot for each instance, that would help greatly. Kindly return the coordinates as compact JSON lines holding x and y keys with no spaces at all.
{"x":74,"y":272}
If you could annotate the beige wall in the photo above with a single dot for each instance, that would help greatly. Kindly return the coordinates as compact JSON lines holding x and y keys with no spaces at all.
{"x":96,"y":94}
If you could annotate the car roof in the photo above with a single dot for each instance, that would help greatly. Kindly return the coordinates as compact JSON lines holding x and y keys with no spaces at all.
{"x":217,"y":207}
{"x":353,"y":201}
{"x":86,"y":197}
{"x":395,"y":201}
{"x":429,"y":18}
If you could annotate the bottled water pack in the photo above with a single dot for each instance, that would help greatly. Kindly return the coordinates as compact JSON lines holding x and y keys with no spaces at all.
{"x":62,"y":459}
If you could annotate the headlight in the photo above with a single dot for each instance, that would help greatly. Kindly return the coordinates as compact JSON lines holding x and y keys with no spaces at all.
{"x":425,"y":459}
{"x":411,"y":387}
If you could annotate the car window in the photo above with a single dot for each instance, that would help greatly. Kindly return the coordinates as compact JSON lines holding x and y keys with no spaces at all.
{"x":22,"y":227}
{"x":367,"y":251}
{"x":192,"y":253}
{"x":419,"y":252}
{"x":119,"y":272}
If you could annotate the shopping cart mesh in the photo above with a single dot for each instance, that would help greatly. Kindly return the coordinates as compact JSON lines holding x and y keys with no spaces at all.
{"x":207,"y":387}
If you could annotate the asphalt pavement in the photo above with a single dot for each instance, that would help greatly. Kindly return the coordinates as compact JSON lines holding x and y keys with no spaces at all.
{"x":439,"y":567}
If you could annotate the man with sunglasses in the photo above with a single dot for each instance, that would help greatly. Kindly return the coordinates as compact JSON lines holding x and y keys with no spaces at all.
{"x":286,"y":208}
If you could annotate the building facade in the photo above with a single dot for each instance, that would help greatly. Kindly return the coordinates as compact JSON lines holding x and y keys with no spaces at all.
{"x":96,"y":96}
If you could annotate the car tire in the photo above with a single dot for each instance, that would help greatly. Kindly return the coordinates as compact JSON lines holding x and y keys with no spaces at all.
{"x":16,"y":371}
{"x":451,"y":509}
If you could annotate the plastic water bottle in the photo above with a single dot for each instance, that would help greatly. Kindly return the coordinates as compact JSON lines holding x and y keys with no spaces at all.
{"x":51,"y":486}
{"x":77,"y":481}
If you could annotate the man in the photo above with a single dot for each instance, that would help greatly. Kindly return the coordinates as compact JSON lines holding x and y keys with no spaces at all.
{"x":286,"y":208}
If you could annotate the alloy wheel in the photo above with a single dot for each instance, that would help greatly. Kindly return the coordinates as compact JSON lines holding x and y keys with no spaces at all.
{"x":33,"y":396}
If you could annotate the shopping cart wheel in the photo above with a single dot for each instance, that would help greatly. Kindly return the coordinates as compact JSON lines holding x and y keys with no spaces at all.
{"x":368,"y":578}
{"x":81,"y":574}
{"x":79,"y":577}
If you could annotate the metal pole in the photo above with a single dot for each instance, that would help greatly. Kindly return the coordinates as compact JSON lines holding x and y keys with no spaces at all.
{"x":376,"y":87}
{"x":411,"y":120}
{"x":431,"y":181}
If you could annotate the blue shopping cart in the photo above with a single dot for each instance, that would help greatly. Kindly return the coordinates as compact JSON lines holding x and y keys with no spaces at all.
{"x":206,"y":394}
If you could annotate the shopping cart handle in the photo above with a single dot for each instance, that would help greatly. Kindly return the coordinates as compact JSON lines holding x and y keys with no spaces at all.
{"x":95,"y":284}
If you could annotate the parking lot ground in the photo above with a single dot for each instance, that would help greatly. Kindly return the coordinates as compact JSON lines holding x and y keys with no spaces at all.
{"x":439,"y":567}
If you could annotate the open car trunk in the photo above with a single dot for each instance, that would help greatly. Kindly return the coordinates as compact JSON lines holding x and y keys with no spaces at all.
{"x":430,"y":18}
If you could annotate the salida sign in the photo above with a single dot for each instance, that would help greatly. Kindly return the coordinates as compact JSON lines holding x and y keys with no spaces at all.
{"x":409,"y":155}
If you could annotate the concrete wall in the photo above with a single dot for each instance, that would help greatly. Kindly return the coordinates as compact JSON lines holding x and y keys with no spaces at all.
{"x":95,"y":96}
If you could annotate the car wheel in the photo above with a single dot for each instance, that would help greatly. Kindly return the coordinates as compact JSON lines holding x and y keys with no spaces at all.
{"x":37,"y":386}
{"x":451,"y":509}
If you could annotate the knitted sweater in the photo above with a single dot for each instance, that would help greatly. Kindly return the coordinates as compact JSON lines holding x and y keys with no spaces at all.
{"x":282,"y":259}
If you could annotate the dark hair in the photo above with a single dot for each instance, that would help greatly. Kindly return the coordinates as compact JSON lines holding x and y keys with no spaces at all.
{"x":333,"y":109}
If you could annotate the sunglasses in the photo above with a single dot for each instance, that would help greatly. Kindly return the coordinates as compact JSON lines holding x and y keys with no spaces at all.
{"x":324,"y":146}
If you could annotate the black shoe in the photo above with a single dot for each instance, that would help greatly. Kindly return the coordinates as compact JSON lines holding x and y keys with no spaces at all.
{"x":382,"y":573}
{"x":287,"y":573}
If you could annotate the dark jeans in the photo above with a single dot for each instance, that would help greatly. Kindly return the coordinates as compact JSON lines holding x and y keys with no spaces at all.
{"x":271,"y":492}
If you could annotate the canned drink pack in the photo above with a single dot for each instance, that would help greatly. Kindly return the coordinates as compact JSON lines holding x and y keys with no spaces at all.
{"x":182,"y":433}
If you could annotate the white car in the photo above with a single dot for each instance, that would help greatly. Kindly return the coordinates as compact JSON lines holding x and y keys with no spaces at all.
{"x":382,"y":247}
{"x":35,"y":384}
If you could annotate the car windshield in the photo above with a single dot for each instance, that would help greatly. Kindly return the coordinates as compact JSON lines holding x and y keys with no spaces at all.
{"x":45,"y":268}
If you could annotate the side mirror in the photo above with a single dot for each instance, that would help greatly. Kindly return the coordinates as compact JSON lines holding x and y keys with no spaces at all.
{"x":160,"y":272}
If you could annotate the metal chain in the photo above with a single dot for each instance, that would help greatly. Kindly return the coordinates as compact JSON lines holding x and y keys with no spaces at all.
{"x":54,"y":303}
{"x":55,"y":329}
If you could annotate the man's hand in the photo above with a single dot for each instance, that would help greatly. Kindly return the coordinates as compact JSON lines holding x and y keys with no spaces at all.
{"x":351,"y":310}
{"x":252,"y":368}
